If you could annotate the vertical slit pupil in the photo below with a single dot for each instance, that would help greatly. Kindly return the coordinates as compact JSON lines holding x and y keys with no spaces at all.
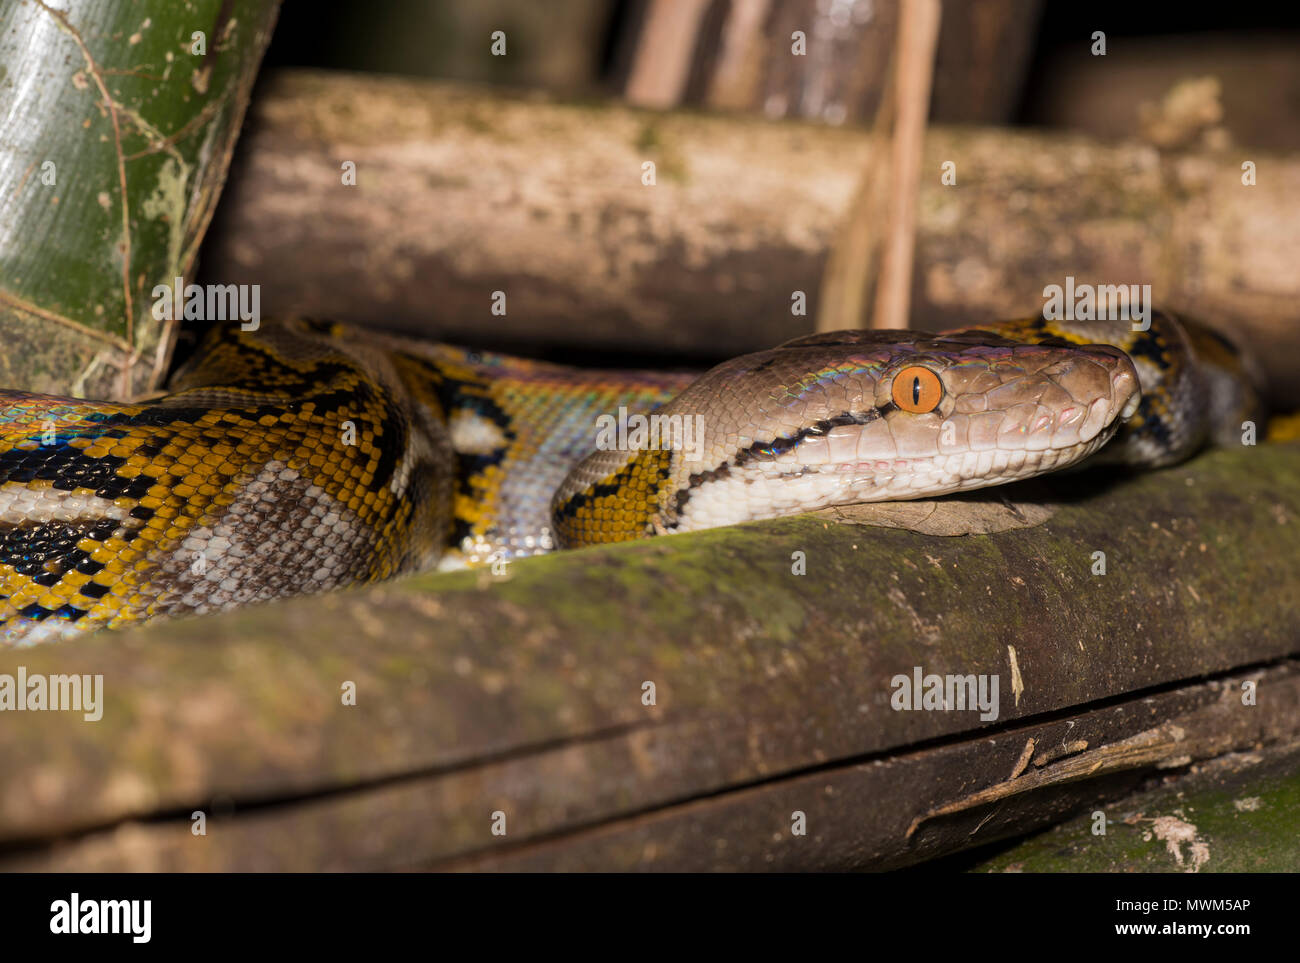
{"x":916,"y":390}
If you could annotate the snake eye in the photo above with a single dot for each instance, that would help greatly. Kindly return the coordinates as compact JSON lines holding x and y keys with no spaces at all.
{"x":917,"y":389}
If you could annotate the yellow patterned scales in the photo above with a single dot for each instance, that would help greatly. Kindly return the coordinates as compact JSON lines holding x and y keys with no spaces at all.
{"x":291,"y":460}
{"x":304,"y":456}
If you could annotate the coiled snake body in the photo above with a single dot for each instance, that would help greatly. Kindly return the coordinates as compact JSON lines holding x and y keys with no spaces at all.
{"x":303,"y":456}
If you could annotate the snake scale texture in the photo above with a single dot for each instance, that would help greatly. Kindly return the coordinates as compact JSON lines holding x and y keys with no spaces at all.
{"x":304,"y":456}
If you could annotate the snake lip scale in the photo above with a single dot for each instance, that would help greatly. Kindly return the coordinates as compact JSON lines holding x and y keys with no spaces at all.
{"x":307,"y":456}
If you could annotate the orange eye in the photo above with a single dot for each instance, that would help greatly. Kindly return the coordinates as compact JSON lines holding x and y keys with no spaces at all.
{"x":917,"y":390}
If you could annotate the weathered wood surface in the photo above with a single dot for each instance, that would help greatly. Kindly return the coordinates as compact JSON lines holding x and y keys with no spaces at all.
{"x":462,"y":191}
{"x":1236,"y":814}
{"x":741,"y":59}
{"x":523,"y":693}
{"x":860,"y":814}
{"x":869,"y":814}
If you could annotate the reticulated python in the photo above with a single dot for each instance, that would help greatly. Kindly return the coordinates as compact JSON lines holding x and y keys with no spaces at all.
{"x":303,"y":457}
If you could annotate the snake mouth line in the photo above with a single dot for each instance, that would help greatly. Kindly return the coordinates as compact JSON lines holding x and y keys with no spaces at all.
{"x":1015,"y":449}
{"x":746,"y":496}
{"x":763,"y":493}
{"x":979,"y":467}
{"x":1009,"y":460}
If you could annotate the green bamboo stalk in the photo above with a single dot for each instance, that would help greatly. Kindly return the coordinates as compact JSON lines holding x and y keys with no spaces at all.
{"x":117,"y":122}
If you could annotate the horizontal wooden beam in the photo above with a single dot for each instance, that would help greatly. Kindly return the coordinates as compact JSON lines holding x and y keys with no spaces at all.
{"x":524,"y":694}
{"x":462,"y":191}
{"x":878,"y":812}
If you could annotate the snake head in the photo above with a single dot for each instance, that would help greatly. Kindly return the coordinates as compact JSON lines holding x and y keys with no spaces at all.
{"x":853,"y":416}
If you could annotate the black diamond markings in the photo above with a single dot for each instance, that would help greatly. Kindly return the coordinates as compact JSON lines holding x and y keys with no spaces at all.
{"x":37,"y":613}
{"x":31,"y":548}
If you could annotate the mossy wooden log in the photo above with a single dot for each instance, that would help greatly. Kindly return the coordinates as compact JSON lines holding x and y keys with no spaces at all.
{"x":879,"y":811}
{"x":977,"y":790}
{"x":523,"y":694}
{"x":461,"y":191}
{"x":1236,"y":814}
{"x":117,"y":127}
